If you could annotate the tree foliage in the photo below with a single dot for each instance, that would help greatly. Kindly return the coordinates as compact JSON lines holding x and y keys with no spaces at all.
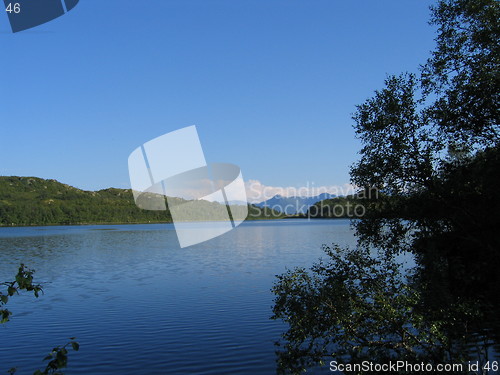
{"x":22,"y":281}
{"x":430,"y":148}
{"x":463,"y":72}
{"x":436,"y":160}
{"x":358,"y":307}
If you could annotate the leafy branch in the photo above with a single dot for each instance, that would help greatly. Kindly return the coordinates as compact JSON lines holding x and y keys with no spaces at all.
{"x":58,"y":357}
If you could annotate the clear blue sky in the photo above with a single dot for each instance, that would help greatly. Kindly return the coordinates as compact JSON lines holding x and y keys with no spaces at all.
{"x":270,"y":84}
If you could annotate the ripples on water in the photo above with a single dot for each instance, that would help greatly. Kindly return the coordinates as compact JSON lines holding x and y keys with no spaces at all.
{"x":138,"y":304}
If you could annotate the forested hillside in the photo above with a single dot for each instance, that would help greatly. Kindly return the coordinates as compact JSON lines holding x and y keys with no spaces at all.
{"x":36,"y":201}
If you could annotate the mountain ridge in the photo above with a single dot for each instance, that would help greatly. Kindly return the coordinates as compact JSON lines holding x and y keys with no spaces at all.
{"x":295,"y":204}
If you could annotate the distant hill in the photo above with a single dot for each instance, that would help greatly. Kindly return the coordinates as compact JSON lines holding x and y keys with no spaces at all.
{"x":351,"y":206}
{"x":37,"y":201}
{"x":339,"y":207}
{"x":293,"y":205}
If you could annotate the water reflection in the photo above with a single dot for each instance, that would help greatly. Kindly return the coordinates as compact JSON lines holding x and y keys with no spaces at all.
{"x":139,"y":304}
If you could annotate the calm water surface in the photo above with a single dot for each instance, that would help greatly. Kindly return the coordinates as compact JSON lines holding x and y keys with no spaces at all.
{"x":138,"y":304}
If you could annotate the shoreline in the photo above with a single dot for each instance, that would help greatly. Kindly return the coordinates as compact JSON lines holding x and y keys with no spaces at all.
{"x":157,"y":222}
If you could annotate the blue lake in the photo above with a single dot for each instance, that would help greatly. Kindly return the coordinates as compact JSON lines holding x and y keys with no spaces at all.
{"x":138,"y":304}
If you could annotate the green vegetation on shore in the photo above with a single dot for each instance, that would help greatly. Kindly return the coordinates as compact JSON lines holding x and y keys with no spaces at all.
{"x":350,"y":206}
{"x":28,"y":201}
